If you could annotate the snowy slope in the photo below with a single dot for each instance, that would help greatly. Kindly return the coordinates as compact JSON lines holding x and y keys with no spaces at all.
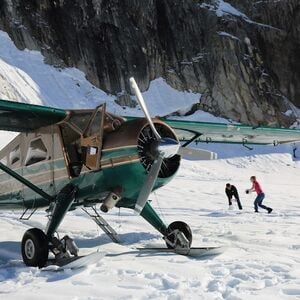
{"x":25,"y":77}
{"x":261,"y":260}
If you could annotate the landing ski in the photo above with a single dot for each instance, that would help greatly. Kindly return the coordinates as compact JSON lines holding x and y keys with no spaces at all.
{"x":74,"y":262}
{"x":192,"y":252}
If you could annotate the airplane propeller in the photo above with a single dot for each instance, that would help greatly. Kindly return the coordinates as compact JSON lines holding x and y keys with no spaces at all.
{"x":142,"y":104}
{"x":166,"y":148}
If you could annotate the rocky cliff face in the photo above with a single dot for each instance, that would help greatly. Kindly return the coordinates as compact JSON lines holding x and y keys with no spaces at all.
{"x":242,"y":56}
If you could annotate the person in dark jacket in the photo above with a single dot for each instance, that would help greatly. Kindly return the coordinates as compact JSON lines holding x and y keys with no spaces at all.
{"x":231,"y":191}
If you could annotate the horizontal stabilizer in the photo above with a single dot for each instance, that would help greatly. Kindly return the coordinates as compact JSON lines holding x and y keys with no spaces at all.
{"x":197,"y":154}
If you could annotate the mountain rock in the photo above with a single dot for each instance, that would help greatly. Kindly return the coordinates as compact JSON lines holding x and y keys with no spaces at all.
{"x":242,"y":56}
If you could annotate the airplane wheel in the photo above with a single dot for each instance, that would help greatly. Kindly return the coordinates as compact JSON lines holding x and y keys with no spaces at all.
{"x":35,"y":248}
{"x":181,"y":226}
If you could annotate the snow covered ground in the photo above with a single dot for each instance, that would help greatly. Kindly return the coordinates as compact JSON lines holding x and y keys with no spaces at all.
{"x":260,"y":259}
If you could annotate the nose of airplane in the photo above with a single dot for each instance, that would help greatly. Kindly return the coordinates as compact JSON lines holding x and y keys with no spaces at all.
{"x":168,"y":147}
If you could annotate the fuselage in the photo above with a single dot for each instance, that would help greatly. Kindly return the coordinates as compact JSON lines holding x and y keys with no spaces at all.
{"x":115,"y":155}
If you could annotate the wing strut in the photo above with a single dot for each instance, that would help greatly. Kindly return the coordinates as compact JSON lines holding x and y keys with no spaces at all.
{"x":26,"y":182}
{"x":191,"y":139}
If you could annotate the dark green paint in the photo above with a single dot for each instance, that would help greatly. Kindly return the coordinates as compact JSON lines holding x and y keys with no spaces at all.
{"x":22,"y":117}
{"x":150,"y":215}
{"x":232,"y":133}
{"x":63,"y":202}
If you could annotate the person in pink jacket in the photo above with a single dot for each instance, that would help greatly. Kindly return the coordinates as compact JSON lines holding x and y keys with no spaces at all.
{"x":256,"y":187}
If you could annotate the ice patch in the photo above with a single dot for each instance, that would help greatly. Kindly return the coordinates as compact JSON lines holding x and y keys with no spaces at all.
{"x":227,"y":8}
{"x":226,"y":34}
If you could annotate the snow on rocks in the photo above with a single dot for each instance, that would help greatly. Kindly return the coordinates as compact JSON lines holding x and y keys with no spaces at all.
{"x":226,"y":8}
{"x":223,"y":8}
{"x":26,"y":78}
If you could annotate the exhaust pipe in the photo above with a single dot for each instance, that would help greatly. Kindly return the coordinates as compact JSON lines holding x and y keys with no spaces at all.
{"x":110,"y":201}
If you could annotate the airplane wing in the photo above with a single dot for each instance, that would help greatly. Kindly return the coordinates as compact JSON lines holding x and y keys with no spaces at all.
{"x":233,"y":133}
{"x":22,"y":117}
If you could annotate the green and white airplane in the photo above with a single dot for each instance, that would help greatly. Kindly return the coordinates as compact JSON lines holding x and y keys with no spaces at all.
{"x":65,"y":159}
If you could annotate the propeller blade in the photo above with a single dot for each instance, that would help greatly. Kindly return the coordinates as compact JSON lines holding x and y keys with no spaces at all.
{"x":142,"y":103}
{"x":168,"y":147}
{"x":148,"y":185}
{"x":197,"y":154}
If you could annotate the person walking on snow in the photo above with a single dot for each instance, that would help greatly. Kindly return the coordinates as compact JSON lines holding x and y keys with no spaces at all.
{"x":231,"y":191}
{"x":256,"y":187}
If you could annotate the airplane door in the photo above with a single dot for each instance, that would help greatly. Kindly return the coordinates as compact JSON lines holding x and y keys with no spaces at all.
{"x":92,"y":139}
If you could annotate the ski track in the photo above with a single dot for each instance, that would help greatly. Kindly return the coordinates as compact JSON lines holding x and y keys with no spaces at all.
{"x":260,"y":259}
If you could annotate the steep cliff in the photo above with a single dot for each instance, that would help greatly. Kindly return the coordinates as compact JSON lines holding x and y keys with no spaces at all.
{"x":242,"y":56}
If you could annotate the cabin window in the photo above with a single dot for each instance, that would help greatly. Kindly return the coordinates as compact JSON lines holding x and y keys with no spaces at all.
{"x":4,"y":160}
{"x":15,"y":155}
{"x":37,"y":152}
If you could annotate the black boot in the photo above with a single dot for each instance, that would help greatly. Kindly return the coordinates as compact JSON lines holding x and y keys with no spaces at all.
{"x":270,"y":210}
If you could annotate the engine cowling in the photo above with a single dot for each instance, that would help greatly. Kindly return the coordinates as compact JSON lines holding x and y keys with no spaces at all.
{"x":138,"y":133}
{"x":148,"y":149}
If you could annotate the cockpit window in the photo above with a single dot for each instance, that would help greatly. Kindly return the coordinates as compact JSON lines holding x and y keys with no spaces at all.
{"x":95,"y":125}
{"x":80,"y":119}
{"x":15,"y":155}
{"x":37,"y":152}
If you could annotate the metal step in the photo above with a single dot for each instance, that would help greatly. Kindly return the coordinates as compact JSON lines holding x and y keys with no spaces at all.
{"x":100,"y":221}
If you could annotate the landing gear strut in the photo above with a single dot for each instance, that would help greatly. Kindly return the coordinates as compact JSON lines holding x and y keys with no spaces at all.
{"x":179,"y":236}
{"x":36,"y":244}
